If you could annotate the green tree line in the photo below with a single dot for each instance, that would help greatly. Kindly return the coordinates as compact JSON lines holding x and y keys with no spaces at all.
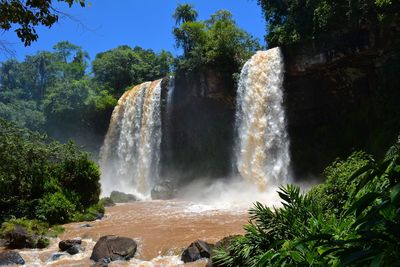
{"x":55,"y":91}
{"x":294,"y":21}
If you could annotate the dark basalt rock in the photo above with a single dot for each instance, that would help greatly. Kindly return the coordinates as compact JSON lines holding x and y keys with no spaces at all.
{"x":64,"y":245}
{"x":112,"y":248}
{"x":75,"y":249}
{"x":11,"y":258}
{"x":120,"y":197}
{"x":197,"y":250}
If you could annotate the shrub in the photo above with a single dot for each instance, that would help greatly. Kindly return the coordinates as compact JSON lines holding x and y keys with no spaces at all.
{"x":352,"y":219}
{"x":55,"y":208}
{"x":42,"y":179}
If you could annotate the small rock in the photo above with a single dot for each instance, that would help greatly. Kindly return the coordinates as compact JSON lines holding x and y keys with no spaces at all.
{"x":75,"y":249}
{"x":86,"y":225}
{"x":112,"y":248}
{"x":64,"y":245}
{"x":11,"y":257}
{"x":197,"y":250}
{"x":99,"y":216}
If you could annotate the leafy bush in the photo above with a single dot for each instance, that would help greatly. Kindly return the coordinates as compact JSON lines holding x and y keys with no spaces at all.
{"x":334,"y":193}
{"x":55,"y":208}
{"x":41,"y":179}
{"x":359,"y":227}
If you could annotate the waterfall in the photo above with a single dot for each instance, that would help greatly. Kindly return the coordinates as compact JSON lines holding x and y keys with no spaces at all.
{"x":129,"y":158}
{"x":262,"y":147}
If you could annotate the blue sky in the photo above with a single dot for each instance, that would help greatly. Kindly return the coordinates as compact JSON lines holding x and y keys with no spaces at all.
{"x":105,"y":24}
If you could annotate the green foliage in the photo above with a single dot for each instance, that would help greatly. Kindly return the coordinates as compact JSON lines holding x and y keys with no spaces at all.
{"x":296,"y":20}
{"x":218,"y":42}
{"x":334,"y":193}
{"x":92,"y":213}
{"x":55,"y":208}
{"x":184,"y":13}
{"x":50,"y":92}
{"x":350,"y":220}
{"x":123,"y":66}
{"x":44,"y":180}
{"x":28,"y":15}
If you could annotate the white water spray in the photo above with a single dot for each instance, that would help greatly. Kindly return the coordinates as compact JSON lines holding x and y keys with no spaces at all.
{"x":131,"y":152}
{"x":262,"y":150}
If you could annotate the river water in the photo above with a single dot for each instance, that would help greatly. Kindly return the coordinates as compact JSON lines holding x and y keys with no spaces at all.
{"x":162,"y":230}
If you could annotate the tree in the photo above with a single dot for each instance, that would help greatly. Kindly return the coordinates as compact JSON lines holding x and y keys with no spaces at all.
{"x":297,"y":20}
{"x":184,"y":13}
{"x":123,"y":66}
{"x":28,"y":14}
{"x":217,"y":41}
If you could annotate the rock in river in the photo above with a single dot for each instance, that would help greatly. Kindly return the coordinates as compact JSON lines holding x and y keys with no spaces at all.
{"x":111,"y":248}
{"x":11,"y":258}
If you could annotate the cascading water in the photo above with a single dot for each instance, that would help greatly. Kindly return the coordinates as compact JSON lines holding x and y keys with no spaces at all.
{"x":130,"y":154}
{"x":262,"y":152}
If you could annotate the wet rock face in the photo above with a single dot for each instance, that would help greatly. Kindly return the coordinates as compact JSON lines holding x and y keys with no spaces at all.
{"x":197,"y":250}
{"x":339,"y":97}
{"x":200,"y":126}
{"x":112,"y":248}
{"x":11,"y":258}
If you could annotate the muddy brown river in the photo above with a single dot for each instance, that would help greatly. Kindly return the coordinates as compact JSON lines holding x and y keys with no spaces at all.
{"x":162,"y":230}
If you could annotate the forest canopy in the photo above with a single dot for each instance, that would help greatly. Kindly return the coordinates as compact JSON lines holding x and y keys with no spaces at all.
{"x":293,"y":21}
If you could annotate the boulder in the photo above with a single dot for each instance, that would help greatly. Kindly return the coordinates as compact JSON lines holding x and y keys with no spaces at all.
{"x":120,"y":197}
{"x":163,"y":190}
{"x":64,"y":245}
{"x":75,"y":249}
{"x":197,"y":250}
{"x":18,"y":237}
{"x":111,"y":248}
{"x":11,"y":258}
